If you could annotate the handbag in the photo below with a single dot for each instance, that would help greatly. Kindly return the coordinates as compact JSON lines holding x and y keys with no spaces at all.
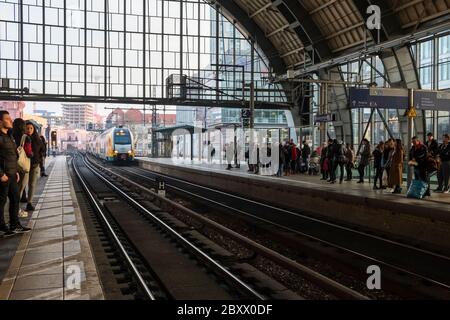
{"x":23,"y":162}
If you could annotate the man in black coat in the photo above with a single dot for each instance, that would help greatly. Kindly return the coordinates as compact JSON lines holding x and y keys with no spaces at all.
{"x":9,"y":178}
{"x":432,"y":145}
{"x":44,"y":156}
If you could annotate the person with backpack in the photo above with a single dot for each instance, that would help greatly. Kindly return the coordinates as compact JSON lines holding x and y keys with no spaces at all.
{"x":378,"y":165}
{"x":306,"y":153}
{"x":340,"y":160}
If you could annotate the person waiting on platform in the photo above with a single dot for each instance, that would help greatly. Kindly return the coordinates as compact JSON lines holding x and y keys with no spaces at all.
{"x":23,"y":141}
{"x":386,"y":161}
{"x":294,"y":156}
{"x":432,"y":145}
{"x":36,"y":160}
{"x":396,"y":167}
{"x":282,"y":159}
{"x":229,"y":155}
{"x":418,"y":155}
{"x":9,"y":177}
{"x":44,"y":157}
{"x":350,"y":164}
{"x":306,"y":153}
{"x":332,"y":155}
{"x":378,"y":165}
{"x":444,"y":169}
{"x":339,"y":161}
{"x":364,"y":155}
{"x":325,"y":161}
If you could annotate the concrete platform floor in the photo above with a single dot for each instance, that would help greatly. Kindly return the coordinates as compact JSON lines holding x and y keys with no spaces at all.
{"x":54,"y":260}
{"x":437,"y":200}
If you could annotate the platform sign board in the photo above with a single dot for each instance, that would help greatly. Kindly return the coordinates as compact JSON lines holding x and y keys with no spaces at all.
{"x":432,"y":100}
{"x":383,"y":98}
{"x":324,"y":118}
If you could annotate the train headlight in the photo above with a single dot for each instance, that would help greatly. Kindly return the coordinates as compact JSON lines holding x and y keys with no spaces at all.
{"x":116,"y":152}
{"x":130,"y":152}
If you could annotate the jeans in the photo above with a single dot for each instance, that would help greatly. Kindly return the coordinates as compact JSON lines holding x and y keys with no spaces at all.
{"x":341,"y":166}
{"x":348,"y":169}
{"x":42,"y":165}
{"x":24,"y":177}
{"x":362,"y":172}
{"x":9,"y":190}
{"x":35,"y":173}
{"x":444,"y":175}
{"x":378,"y":176}
{"x":280,"y":169}
{"x":332,"y":166}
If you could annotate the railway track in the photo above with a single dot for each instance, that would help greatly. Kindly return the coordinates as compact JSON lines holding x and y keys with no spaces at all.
{"x":166,"y":257}
{"x":411,"y":272}
{"x":323,"y":282}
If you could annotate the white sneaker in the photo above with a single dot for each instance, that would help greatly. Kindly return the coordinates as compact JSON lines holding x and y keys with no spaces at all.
{"x":23,"y":214}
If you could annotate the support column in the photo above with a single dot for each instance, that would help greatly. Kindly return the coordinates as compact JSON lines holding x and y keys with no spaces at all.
{"x":252,"y":86}
{"x":410,"y":136}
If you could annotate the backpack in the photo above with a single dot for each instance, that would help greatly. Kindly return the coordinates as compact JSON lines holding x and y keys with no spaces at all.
{"x":341,"y":154}
{"x":23,"y":162}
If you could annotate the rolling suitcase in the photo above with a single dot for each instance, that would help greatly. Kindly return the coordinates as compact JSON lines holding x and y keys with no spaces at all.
{"x":417,"y":189}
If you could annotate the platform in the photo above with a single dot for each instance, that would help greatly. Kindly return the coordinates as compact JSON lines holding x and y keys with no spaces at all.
{"x":351,"y":203}
{"x":53,"y":261}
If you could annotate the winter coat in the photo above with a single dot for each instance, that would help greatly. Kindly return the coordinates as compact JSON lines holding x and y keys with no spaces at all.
{"x":8,"y":155}
{"x":396,"y":171}
{"x":365,"y":155}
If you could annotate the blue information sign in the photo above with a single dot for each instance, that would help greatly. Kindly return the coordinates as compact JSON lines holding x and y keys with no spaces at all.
{"x":432,"y":100}
{"x":383,"y":98}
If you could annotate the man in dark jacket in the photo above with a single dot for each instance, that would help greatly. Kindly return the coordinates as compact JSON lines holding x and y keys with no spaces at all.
{"x":43,"y":156}
{"x":332,"y":155}
{"x":378,"y":165}
{"x":419,"y":154}
{"x":432,"y":145}
{"x":306,"y":153}
{"x":9,"y":178}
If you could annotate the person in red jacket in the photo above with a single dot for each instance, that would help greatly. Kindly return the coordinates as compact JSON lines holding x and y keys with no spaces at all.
{"x":294,"y":155}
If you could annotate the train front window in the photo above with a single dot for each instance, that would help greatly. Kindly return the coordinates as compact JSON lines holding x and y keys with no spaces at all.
{"x":122,"y":137}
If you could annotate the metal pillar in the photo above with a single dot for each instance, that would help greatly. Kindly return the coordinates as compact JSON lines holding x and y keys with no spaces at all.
{"x":410,"y":136}
{"x":252,"y":86}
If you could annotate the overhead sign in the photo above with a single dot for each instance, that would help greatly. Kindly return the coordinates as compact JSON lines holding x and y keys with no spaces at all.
{"x":324,"y":118}
{"x":432,"y":100}
{"x":383,"y":98}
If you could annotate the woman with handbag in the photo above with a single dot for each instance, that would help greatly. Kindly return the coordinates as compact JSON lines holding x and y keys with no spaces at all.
{"x":35,"y":170}
{"x":25,"y":151}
